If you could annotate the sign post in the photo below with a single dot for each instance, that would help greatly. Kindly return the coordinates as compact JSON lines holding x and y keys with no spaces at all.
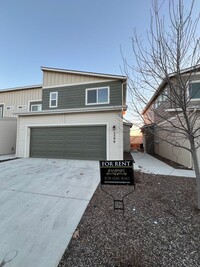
{"x":117,"y":172}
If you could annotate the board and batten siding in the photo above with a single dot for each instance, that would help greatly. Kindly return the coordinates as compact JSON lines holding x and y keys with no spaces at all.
{"x":74,"y":96}
{"x":51,"y":78}
{"x":114,"y":149}
{"x":166,"y":150}
{"x":16,"y":98}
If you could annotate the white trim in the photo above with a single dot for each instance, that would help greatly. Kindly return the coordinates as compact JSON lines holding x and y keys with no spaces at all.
{"x":191,"y":74}
{"x":97,"y":89}
{"x":10,"y":108}
{"x":29,"y":126}
{"x":29,"y":102}
{"x":194,"y":99}
{"x":36,"y":105}
{"x":193,"y":81}
{"x":76,"y":110}
{"x":21,"y":107}
{"x":85,"y":73}
{"x":173,"y":109}
{"x":50,"y":99}
{"x":74,"y":84}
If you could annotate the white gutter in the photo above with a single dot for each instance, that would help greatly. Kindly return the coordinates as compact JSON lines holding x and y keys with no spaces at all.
{"x":65,"y":111}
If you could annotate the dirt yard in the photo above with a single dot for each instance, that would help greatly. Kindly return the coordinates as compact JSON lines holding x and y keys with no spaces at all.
{"x":161,"y":227}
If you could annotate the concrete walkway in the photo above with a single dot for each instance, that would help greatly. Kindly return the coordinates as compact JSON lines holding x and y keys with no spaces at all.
{"x":148,"y":164}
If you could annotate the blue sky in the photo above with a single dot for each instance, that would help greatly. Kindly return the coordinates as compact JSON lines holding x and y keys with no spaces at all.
{"x":71,"y":34}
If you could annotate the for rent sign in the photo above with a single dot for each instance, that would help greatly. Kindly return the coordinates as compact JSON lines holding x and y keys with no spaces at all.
{"x":119,"y":172}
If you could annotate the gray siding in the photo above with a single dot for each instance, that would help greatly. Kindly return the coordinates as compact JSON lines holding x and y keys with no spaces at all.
{"x":72,"y":142}
{"x":74,"y":96}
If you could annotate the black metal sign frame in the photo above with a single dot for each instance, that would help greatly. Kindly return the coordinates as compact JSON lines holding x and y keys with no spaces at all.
{"x":119,"y":172}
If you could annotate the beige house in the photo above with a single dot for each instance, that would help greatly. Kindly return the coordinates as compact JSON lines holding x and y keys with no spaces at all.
{"x":73,"y":114}
{"x":14,"y":100}
{"x":18,"y":99}
{"x":165,"y":131}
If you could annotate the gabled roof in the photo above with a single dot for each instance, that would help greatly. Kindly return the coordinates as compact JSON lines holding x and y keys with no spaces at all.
{"x":164,"y":83}
{"x":111,"y":76}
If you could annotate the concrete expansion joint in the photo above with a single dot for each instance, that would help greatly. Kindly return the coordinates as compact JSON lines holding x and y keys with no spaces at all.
{"x":41,"y":194}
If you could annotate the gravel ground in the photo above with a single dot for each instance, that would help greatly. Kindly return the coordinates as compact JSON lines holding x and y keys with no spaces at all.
{"x":161,"y":227}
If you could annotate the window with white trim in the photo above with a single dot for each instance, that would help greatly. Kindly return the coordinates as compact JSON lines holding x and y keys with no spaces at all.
{"x":99,"y":95}
{"x":10,"y":108}
{"x":36,"y":107}
{"x":53,"y":100}
{"x":22,"y":108}
{"x":194,"y":90}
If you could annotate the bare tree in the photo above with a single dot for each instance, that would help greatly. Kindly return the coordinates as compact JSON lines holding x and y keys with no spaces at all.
{"x":166,"y":68}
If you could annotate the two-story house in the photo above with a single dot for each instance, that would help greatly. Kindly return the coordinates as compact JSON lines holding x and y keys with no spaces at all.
{"x":166,"y":130}
{"x":73,"y":114}
{"x":14,"y":100}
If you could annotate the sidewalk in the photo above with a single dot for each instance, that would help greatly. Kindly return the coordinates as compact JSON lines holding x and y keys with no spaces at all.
{"x":148,"y":164}
{"x":7,"y":157}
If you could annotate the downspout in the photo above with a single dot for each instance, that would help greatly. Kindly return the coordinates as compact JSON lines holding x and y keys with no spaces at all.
{"x":123,"y":96}
{"x":123,"y":116}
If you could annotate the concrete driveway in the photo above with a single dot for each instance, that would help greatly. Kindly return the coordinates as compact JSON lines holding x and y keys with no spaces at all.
{"x":41,"y":204}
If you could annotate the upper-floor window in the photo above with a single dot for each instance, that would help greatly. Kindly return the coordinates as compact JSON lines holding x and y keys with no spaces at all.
{"x":53,"y":100}
{"x":22,"y":108}
{"x":10,"y":107}
{"x":99,"y":95}
{"x":194,"y":90}
{"x":161,"y":98}
{"x":36,"y":107}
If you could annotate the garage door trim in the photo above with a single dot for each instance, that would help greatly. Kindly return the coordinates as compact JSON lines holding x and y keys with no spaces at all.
{"x":28,"y":133}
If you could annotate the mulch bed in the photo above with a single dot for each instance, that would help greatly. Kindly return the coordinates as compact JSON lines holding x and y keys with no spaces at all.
{"x":161,"y":226}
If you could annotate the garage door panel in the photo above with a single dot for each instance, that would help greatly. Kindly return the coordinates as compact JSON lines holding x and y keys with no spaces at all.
{"x":77,"y":142}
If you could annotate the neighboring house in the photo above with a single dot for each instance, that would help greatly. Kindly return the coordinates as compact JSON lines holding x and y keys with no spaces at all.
{"x":126,"y":136}
{"x":20,"y":99}
{"x":73,"y":114}
{"x":8,"y":131}
{"x":163,"y":111}
{"x":11,"y":101}
{"x":136,"y":142}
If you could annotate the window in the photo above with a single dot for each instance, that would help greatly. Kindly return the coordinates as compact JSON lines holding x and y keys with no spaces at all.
{"x":36,"y":107}
{"x":53,"y":101}
{"x":97,"y":96}
{"x":22,"y":108}
{"x":10,"y":108}
{"x":194,"y":90}
{"x":161,"y":98}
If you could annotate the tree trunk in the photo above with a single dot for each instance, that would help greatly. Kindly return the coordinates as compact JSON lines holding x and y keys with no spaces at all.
{"x":196,"y":168}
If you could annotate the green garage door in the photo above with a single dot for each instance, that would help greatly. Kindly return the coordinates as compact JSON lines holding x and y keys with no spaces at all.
{"x":73,"y":142}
